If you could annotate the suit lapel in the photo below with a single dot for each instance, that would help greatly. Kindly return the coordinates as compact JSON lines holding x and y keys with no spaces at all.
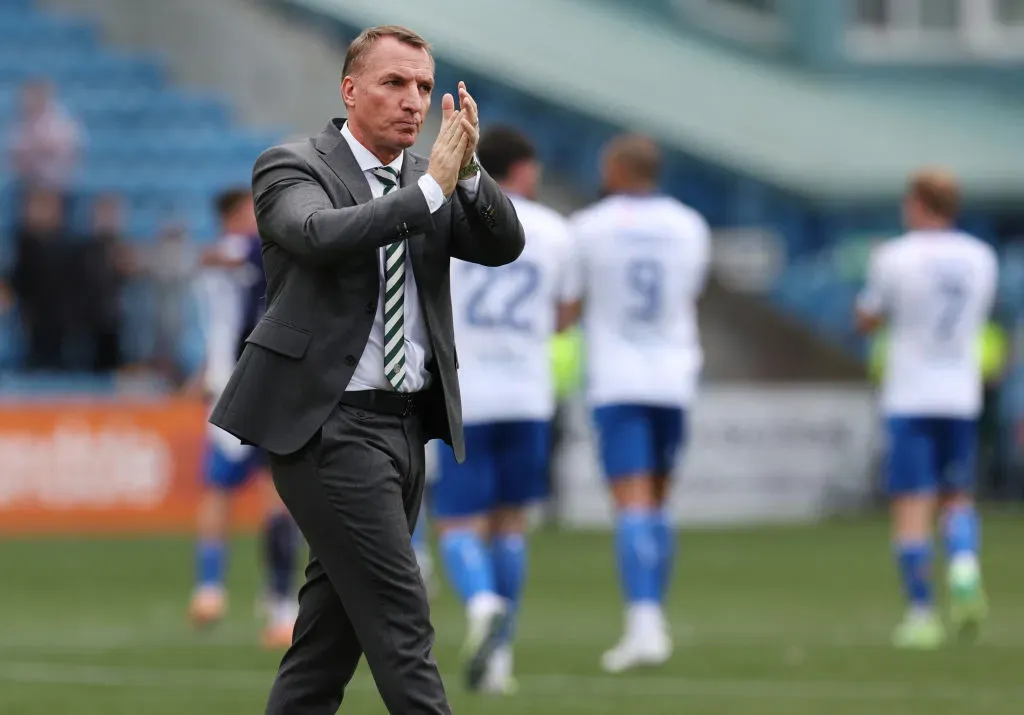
{"x":338,"y":156}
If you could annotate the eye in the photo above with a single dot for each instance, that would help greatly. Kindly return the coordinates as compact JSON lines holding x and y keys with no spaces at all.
{"x":426,"y":88}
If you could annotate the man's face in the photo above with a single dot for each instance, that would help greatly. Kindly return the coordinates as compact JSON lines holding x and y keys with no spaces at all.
{"x":44,"y":211}
{"x":35,"y":100}
{"x":389,"y":94}
{"x":247,"y":217}
{"x":106,"y":216}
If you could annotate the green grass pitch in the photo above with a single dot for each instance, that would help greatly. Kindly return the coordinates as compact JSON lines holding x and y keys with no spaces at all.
{"x":768,"y":621}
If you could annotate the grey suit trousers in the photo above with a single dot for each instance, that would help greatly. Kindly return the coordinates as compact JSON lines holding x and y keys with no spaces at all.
{"x":355,"y":491}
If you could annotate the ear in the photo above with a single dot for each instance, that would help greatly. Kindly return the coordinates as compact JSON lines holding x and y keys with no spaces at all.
{"x":348,"y":91}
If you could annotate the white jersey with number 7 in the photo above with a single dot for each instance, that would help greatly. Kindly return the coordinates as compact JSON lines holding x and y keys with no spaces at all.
{"x":935,"y":289}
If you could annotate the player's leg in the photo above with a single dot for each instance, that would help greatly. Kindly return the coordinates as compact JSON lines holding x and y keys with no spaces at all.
{"x":281,"y":539}
{"x":960,"y":525}
{"x":912,"y":485}
{"x":627,"y":444}
{"x":423,"y":557}
{"x":461,"y":501}
{"x":669,"y":434}
{"x":522,"y":463}
{"x":420,"y":537}
{"x":224,"y":469}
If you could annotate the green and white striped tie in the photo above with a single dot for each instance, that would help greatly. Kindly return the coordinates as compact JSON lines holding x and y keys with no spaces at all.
{"x":394,"y":295}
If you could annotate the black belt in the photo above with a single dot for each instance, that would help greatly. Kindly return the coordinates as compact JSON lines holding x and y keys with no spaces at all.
{"x":386,"y":402}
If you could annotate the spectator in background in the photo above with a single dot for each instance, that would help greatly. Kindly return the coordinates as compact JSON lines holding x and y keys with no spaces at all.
{"x":171,"y":268}
{"x":102,"y":269}
{"x":45,"y":140}
{"x":39,"y":278}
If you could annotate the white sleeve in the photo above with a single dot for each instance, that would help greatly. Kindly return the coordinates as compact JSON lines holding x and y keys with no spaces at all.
{"x":233,"y":248}
{"x":222,"y":313}
{"x":702,"y":257}
{"x":993,"y":281}
{"x":874,"y":298}
{"x":572,"y":281}
{"x":432,"y":192}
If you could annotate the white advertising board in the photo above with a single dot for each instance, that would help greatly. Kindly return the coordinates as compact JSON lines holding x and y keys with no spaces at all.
{"x":755,"y":454}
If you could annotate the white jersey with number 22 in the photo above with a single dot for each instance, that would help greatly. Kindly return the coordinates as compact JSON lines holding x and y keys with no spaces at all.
{"x":504,"y":318}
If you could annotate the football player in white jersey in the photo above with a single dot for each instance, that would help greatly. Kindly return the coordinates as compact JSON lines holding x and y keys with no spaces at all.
{"x":641,"y":259}
{"x":504,"y":320}
{"x":232,"y":289}
{"x":934,"y":288}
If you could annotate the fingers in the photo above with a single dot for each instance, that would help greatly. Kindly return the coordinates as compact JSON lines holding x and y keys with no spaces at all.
{"x":461,"y":146}
{"x":467,"y":104}
{"x":447,"y":106}
{"x":450,"y":134}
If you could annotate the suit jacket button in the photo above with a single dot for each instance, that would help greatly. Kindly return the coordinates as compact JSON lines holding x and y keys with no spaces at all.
{"x":350,"y":361}
{"x":371,"y":308}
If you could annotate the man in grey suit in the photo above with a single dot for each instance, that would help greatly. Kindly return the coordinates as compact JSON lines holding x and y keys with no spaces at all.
{"x":353,"y":367}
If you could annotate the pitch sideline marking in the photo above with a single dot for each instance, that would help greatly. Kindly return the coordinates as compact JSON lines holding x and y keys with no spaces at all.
{"x":545,"y":686}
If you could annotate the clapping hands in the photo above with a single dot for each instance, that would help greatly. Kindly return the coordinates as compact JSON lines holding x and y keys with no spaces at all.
{"x":456,"y":141}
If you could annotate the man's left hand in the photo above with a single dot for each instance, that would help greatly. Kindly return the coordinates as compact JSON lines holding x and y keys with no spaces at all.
{"x":467,"y":105}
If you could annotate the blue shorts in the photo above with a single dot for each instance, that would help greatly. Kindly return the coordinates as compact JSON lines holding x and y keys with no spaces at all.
{"x":506,"y":466}
{"x":222,"y":471}
{"x":930,"y":454}
{"x":639,"y":439}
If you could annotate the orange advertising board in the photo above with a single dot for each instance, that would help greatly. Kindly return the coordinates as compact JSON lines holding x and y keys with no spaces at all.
{"x":105,"y":468}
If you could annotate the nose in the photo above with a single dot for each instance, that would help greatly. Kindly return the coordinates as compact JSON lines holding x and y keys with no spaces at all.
{"x":412,"y":100}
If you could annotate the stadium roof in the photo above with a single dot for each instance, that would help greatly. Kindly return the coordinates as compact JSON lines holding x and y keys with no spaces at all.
{"x":815,"y":136}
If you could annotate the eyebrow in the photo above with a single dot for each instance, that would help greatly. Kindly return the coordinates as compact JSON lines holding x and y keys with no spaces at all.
{"x":405,"y":78}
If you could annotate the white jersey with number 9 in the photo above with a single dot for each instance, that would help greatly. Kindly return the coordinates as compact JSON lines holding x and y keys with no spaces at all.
{"x":640,"y":266}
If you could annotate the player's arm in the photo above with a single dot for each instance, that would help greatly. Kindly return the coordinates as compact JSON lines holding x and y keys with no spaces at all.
{"x":570,"y":297}
{"x":869,"y":314}
{"x":213,"y":258}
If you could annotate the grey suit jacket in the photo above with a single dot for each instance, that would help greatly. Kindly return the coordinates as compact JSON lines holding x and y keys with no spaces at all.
{"x":321,"y":230}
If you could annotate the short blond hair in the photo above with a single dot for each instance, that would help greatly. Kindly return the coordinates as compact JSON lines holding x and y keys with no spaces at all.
{"x":360,"y":46}
{"x":937,"y":190}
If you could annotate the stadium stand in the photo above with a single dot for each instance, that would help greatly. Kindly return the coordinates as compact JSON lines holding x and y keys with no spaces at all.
{"x":166,"y":151}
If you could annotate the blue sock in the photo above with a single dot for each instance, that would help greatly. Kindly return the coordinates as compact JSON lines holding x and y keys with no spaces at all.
{"x":915,"y":568}
{"x":665,"y":537}
{"x":509,"y":553}
{"x":962,"y":531}
{"x":468,"y":564}
{"x":280,"y":542}
{"x":210,"y":563}
{"x":637,"y":550}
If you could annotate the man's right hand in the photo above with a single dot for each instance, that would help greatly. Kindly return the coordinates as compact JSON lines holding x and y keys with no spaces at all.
{"x":450,"y":145}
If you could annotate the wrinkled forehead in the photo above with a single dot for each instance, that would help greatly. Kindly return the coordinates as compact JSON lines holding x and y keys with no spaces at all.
{"x":390,"y":56}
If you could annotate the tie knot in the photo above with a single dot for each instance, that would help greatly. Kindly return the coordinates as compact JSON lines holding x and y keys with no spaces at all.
{"x":386,"y":175}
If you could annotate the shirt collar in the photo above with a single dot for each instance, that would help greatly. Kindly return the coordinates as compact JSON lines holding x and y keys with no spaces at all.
{"x":364,"y":157}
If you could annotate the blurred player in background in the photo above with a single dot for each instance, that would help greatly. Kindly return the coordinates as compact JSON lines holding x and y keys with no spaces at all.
{"x":642,"y":259}
{"x":504,"y":320}
{"x":934,"y":288}
{"x":233,"y":288}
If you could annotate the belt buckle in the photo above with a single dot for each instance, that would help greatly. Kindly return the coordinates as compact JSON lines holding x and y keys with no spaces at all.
{"x":410,"y":406}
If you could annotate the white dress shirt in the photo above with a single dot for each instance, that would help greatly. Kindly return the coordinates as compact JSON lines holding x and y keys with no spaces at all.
{"x":369,"y":373}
